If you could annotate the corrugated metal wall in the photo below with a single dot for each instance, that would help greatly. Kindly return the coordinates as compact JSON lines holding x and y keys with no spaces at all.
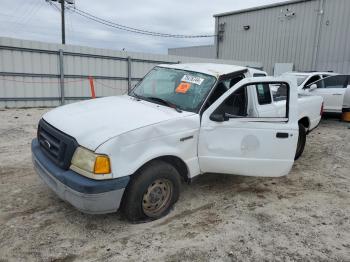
{"x":204,"y":51}
{"x":334,"y":47}
{"x":30,"y":75}
{"x":272,"y":37}
{"x":277,"y":36}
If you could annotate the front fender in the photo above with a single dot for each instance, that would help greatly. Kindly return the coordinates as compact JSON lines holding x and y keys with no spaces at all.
{"x":130,"y":151}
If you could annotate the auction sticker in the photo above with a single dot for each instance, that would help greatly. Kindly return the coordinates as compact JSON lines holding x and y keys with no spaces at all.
{"x":183,"y":88}
{"x":192,"y":79}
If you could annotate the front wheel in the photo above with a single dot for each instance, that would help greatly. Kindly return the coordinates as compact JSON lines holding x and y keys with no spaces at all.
{"x":301,"y":141}
{"x":152,"y":192}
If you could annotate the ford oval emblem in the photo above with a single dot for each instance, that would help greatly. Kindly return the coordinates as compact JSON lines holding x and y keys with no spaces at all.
{"x":47,"y":144}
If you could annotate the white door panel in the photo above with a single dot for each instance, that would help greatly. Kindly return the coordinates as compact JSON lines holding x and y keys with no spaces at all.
{"x":332,"y":89}
{"x":332,"y":97}
{"x":249,"y":146}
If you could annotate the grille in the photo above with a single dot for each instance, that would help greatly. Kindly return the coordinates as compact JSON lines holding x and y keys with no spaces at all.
{"x":56,"y":145}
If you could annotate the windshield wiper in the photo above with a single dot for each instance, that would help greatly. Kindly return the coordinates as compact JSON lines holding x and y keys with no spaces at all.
{"x":165,"y":102}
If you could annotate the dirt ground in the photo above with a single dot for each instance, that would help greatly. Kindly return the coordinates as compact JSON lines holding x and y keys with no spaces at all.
{"x":302,"y":217}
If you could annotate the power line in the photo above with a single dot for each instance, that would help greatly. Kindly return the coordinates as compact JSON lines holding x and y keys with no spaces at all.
{"x":62,"y":10}
{"x":35,"y":10}
{"x":31,"y":10}
{"x":132,"y":29}
{"x":54,"y":6}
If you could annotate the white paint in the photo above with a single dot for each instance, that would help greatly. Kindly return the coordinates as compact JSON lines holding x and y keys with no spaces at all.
{"x":93,"y":122}
{"x":133,"y":132}
{"x":248,"y":146}
{"x":334,"y":98}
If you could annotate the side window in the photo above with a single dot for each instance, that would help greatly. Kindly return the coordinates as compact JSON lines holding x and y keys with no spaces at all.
{"x":235,"y":104}
{"x":230,"y":82}
{"x":279,"y":92}
{"x":264,"y":94}
{"x":221,"y":88}
{"x":313,"y":79}
{"x":239,"y":105}
{"x":339,"y":81}
{"x":235,"y":80}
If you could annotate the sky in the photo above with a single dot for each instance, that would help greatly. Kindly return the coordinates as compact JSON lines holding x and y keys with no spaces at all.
{"x":37,"y":20}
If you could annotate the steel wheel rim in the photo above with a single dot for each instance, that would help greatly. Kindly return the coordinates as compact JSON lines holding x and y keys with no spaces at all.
{"x":157,"y":197}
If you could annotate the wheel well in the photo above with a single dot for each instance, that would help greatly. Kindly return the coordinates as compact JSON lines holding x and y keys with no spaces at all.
{"x":176,"y":162}
{"x":305,"y":122}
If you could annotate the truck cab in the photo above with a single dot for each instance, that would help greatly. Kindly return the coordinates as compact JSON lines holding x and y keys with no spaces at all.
{"x":131,"y":152}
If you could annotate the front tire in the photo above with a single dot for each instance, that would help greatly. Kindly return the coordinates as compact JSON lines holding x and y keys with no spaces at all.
{"x":301,"y":141}
{"x":152,"y":192}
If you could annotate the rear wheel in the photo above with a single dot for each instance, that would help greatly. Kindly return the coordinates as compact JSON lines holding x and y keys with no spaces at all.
{"x":301,"y":141}
{"x":152,"y":192}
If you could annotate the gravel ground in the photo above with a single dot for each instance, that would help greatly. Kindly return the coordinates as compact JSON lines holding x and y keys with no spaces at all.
{"x":301,"y":217}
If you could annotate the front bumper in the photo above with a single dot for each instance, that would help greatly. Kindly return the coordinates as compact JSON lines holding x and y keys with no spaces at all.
{"x":87,"y":195}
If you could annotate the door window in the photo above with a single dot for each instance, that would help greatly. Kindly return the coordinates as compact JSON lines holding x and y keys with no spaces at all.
{"x":312,"y":80}
{"x":230,"y":82}
{"x":221,"y":88}
{"x":240,"y":104}
{"x":338,"y":81}
{"x":235,"y":104}
{"x":279,"y":92}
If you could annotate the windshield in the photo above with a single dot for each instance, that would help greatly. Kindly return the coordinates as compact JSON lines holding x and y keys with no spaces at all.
{"x":300,"y":78}
{"x":184,"y":89}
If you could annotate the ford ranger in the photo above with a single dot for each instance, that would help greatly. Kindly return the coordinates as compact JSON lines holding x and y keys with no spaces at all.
{"x":131,"y":152}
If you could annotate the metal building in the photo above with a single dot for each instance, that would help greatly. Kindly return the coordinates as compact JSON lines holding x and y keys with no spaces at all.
{"x":311,"y":34}
{"x":203,"y":51}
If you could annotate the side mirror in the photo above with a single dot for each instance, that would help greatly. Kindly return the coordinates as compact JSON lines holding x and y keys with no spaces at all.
{"x":218,"y":117}
{"x":313,"y":87}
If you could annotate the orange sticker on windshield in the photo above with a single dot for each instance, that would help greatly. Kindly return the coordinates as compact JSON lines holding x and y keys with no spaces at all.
{"x":183,"y":88}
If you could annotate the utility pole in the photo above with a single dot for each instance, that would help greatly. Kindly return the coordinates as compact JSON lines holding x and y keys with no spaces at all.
{"x":63,"y":26}
{"x":63,"y":22}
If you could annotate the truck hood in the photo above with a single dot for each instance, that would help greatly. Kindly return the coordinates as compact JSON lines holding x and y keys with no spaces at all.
{"x":93,"y":122}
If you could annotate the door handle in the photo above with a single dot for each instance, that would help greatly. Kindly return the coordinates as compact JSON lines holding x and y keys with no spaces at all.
{"x":337,"y":94}
{"x":282,"y":135}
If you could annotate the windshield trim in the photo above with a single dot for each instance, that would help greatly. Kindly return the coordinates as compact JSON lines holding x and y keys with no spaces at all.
{"x":195,"y":110}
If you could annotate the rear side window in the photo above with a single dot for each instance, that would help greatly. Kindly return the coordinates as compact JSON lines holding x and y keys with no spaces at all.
{"x":339,"y":81}
{"x":264,"y":94}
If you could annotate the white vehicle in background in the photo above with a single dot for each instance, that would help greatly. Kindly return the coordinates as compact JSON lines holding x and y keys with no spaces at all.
{"x":179,"y":122}
{"x":334,"y":89}
{"x":305,"y":79}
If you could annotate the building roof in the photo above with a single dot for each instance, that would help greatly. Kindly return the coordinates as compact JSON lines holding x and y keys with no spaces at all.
{"x":261,"y":7}
{"x":207,"y":68}
{"x":188,"y":47}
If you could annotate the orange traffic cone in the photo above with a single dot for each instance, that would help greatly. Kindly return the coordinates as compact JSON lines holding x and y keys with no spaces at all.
{"x":346,"y":114}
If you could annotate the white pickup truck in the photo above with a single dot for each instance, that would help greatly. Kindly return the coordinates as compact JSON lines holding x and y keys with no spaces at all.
{"x":180,"y":121}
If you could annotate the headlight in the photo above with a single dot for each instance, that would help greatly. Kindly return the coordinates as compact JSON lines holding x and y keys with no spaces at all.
{"x":89,"y":164}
